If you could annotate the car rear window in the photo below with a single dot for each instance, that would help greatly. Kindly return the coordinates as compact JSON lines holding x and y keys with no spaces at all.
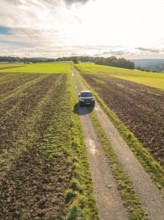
{"x":86,"y":94}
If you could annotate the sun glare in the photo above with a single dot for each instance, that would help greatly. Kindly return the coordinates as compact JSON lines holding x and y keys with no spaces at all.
{"x":91,"y":28}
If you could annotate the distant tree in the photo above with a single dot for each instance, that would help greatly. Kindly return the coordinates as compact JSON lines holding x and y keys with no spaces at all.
{"x":100,"y":60}
{"x":75,"y":60}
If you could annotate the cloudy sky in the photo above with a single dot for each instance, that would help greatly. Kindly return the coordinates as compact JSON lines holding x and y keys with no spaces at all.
{"x":57,"y":28}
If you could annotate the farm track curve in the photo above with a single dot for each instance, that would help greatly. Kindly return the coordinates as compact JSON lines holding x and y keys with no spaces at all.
{"x":150,"y":196}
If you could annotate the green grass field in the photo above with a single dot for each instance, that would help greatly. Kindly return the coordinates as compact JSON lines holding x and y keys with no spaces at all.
{"x":36,"y":68}
{"x":5,"y":65}
{"x":155,"y":80}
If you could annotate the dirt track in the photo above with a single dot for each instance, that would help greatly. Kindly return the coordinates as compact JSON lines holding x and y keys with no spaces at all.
{"x":107,"y":197}
{"x":150,"y":196}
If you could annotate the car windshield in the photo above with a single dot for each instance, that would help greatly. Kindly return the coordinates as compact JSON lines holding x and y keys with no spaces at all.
{"x":86,"y":94}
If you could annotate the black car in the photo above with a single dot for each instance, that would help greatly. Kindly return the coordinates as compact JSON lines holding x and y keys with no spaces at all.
{"x":86,"y":98}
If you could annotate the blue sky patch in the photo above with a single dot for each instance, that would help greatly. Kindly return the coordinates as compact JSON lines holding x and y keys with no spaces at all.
{"x":5,"y":30}
{"x":16,"y":43}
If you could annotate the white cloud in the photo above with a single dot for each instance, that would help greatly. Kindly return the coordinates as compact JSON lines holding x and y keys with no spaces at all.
{"x":62,"y":27}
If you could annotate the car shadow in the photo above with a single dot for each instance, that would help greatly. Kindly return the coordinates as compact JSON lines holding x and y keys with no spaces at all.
{"x":85,"y":110}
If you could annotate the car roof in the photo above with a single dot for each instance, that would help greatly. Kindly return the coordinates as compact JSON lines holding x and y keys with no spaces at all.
{"x":86,"y":91}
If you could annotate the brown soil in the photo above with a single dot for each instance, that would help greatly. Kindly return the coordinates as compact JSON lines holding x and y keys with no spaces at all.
{"x":4,"y":77}
{"x":15,"y":110}
{"x":35,"y":185}
{"x":34,"y":188}
{"x":13,"y":83}
{"x":139,"y":107}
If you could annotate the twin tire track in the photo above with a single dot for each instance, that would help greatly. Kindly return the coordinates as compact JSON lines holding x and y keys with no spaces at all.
{"x":107,"y":197}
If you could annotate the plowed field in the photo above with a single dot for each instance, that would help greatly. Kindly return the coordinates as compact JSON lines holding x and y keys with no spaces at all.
{"x":32,"y":185}
{"x":44,"y":172}
{"x":139,"y":107}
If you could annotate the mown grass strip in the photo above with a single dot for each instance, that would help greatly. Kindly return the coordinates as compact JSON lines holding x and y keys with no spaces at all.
{"x":124,"y":185}
{"x":40,"y":68}
{"x":151,"y":166}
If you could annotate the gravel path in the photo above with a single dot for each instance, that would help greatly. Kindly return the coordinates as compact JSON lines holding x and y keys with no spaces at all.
{"x":108,"y":201}
{"x":150,"y":196}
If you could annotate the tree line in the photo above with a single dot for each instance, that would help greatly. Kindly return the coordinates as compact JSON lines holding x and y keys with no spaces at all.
{"x":109,"y":61}
{"x":11,"y":59}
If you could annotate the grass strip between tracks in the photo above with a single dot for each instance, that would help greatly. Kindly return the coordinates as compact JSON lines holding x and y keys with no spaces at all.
{"x":151,"y":166}
{"x":81,"y":188}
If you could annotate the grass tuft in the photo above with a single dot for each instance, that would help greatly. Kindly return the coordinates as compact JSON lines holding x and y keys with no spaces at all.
{"x":71,"y":194}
